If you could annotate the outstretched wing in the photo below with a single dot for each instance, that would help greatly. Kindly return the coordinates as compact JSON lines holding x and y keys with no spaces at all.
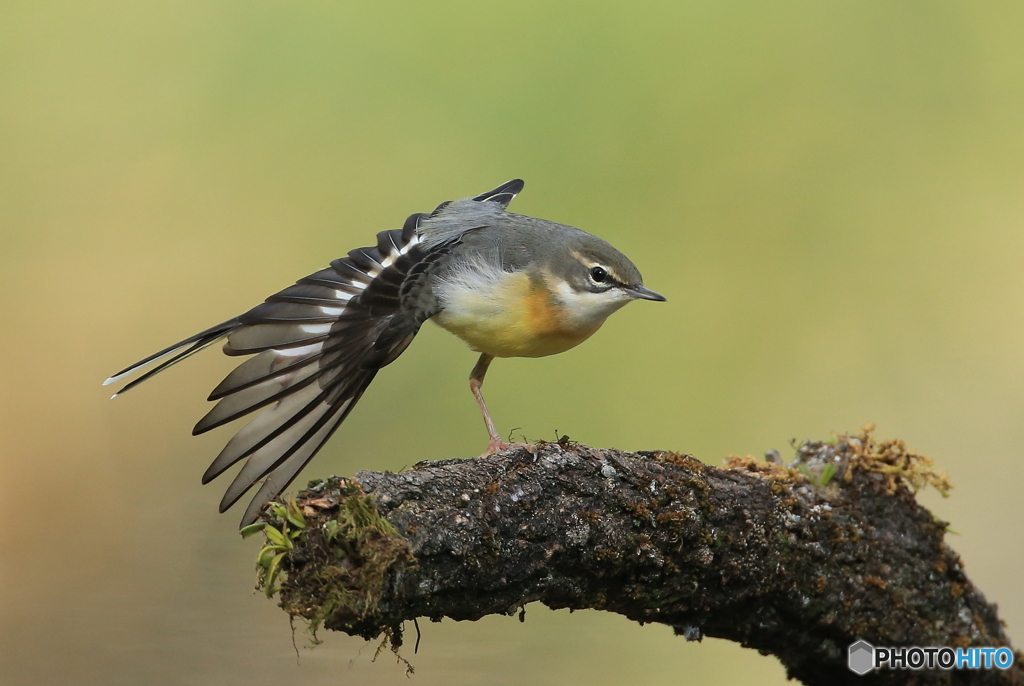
{"x":317,"y":345}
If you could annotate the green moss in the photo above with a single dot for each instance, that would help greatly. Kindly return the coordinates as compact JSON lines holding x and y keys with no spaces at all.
{"x":337,"y":572}
{"x":284,"y":524}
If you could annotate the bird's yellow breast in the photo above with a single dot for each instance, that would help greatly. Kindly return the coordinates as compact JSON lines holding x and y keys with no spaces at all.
{"x":512,"y":315}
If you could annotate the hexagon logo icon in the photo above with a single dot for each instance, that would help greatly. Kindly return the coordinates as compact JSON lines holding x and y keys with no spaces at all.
{"x":861,"y":657}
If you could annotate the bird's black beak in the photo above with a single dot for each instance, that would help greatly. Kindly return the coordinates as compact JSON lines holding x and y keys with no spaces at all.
{"x":644,"y":293}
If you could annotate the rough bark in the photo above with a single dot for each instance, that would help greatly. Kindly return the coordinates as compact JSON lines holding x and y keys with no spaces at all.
{"x":797,"y":564}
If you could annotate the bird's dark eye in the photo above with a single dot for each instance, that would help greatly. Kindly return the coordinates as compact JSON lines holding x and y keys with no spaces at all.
{"x":598,"y":274}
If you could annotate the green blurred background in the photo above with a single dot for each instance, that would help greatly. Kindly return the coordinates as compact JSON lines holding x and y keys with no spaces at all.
{"x":830,"y":195}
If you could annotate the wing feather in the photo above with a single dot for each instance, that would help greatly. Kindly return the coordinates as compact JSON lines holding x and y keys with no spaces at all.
{"x":257,"y":337}
{"x":266,"y":365}
{"x":270,"y":312}
{"x":286,"y":472}
{"x":266,"y":426}
{"x":242,"y":402}
{"x":503,"y":194}
{"x":280,"y":448}
{"x":311,"y":294}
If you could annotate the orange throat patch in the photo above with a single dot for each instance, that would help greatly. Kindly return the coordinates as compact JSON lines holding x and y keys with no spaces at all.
{"x":513,"y":316}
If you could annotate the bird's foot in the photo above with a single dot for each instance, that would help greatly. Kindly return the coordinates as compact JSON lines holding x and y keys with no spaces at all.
{"x":496,"y":446}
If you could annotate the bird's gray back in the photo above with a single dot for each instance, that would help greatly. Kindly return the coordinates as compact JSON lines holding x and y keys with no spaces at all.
{"x":486,"y":231}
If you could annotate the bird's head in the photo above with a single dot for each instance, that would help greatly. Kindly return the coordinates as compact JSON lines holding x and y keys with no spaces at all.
{"x":591,"y":279}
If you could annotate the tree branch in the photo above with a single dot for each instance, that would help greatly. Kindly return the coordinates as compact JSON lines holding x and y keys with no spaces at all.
{"x":798,"y":564}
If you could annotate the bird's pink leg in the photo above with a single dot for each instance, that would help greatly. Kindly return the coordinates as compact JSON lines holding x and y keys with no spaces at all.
{"x":476,"y":381}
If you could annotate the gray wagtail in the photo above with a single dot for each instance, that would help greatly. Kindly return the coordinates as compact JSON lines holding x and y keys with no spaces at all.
{"x":507,"y":284}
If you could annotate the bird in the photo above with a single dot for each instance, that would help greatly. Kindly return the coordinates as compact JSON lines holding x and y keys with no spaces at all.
{"x":507,"y":284}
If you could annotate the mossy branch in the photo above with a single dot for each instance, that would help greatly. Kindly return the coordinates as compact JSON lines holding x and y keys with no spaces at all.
{"x":798,"y":561}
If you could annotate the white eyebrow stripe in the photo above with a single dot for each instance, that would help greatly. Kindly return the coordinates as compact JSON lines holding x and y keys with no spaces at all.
{"x":590,"y":264}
